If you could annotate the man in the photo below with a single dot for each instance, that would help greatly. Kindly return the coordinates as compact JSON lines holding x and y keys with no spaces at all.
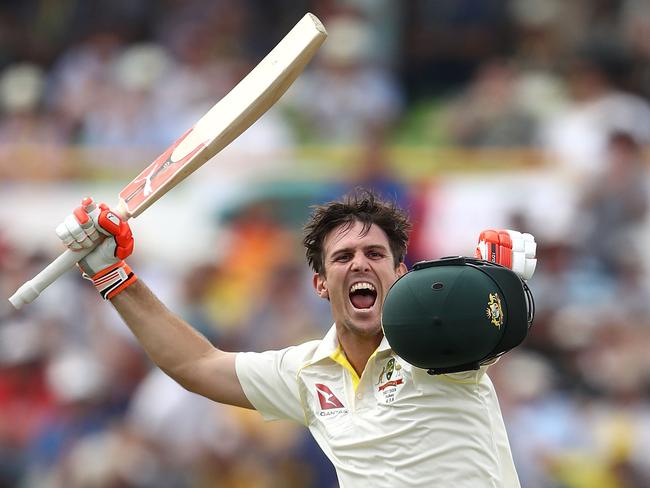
{"x":381,"y":421}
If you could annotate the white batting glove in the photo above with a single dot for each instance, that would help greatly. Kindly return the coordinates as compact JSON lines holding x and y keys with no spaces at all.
{"x":104,"y":266}
{"x":509,"y":248}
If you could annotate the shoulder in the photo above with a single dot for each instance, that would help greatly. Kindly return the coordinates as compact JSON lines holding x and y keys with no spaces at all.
{"x":289,"y":360}
{"x":296,"y":357}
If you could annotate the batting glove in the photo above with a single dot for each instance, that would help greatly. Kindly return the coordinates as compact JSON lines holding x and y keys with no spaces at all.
{"x":104,"y":266}
{"x":509,"y":248}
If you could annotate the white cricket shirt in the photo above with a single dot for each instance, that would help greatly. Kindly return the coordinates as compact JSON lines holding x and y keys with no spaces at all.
{"x":395,"y":426}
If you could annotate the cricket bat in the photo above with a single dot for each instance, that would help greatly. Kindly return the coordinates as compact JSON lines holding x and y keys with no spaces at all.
{"x":224,"y":122}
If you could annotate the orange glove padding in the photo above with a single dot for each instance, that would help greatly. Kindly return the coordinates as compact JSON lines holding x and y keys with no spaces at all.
{"x":509,"y":248}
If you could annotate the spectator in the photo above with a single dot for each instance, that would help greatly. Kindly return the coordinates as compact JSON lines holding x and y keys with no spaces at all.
{"x":615,"y":206}
{"x":24,"y":122}
{"x":346,"y":96}
{"x":577,"y":138}
{"x":488,"y":112}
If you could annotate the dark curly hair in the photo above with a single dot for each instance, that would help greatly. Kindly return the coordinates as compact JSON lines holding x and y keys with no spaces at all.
{"x":360,"y":205}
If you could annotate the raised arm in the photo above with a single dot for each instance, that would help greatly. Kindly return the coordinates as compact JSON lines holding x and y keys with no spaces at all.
{"x":171,"y":343}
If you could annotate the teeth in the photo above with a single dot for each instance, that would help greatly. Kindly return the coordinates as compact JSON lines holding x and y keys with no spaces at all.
{"x":362,"y":286}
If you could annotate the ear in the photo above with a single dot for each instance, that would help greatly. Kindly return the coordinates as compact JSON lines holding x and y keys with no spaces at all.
{"x":320,"y":285}
{"x":401,"y":269}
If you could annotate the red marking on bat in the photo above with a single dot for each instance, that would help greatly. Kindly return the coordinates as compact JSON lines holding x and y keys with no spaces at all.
{"x":156,"y":175}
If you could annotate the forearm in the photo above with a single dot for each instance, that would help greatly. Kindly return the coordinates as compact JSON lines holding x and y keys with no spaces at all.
{"x":179,"y":350}
{"x":171,"y":343}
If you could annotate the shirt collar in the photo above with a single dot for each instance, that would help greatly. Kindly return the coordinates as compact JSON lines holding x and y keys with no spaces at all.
{"x":383,"y":346}
{"x":328,"y":345}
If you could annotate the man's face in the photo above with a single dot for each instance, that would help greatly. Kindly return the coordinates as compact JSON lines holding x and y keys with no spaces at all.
{"x":358,"y":271}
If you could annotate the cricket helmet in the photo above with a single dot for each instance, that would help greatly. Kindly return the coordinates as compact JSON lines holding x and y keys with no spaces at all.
{"x":457,"y":313}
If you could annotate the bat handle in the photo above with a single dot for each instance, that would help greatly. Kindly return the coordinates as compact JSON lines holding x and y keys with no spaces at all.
{"x":29,"y":291}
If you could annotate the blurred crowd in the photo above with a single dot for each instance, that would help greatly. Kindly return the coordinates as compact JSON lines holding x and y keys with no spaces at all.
{"x":569,"y":82}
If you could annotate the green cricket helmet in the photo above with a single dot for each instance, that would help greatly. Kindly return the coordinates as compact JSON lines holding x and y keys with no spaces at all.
{"x":456,"y":313}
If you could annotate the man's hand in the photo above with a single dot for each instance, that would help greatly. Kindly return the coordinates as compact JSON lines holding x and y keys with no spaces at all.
{"x":105,"y":267}
{"x":509,"y":248}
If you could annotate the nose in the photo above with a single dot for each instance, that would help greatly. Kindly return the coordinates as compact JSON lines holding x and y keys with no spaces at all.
{"x":360,"y":262}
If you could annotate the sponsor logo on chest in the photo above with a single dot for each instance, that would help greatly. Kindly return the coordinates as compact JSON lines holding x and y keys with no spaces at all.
{"x":328,"y":401}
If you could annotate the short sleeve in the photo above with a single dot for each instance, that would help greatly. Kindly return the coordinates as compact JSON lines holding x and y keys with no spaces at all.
{"x":269,"y":381}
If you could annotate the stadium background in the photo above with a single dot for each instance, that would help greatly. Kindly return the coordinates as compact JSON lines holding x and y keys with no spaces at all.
{"x":473,"y":114}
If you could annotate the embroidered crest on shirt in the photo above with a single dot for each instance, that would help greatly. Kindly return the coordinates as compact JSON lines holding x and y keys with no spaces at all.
{"x":329,"y":402}
{"x":390,"y":381}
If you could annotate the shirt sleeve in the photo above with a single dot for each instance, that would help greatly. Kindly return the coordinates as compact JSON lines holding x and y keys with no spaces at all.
{"x":269,"y":381}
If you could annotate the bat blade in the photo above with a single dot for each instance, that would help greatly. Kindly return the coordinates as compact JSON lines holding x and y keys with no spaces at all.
{"x":223,"y":123}
{"x":228,"y":118}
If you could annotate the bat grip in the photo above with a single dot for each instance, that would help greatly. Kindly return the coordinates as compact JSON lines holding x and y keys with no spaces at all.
{"x":29,"y":291}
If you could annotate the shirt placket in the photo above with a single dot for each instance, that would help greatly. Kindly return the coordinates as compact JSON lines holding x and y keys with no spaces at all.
{"x":363,"y":396}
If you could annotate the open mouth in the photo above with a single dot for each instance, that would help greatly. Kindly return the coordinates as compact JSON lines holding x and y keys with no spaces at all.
{"x":363,"y":295}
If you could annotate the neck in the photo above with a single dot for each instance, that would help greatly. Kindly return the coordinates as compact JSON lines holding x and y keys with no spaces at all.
{"x":358,"y":348}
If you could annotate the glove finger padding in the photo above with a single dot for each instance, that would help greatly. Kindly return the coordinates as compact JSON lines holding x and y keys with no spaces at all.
{"x":509,"y":248}
{"x":524,"y":250}
{"x":75,"y":235}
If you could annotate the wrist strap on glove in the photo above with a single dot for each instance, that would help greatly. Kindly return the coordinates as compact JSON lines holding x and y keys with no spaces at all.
{"x":113,"y":280}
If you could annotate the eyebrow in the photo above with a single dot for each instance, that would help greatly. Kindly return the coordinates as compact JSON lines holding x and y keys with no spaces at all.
{"x":345,"y":250}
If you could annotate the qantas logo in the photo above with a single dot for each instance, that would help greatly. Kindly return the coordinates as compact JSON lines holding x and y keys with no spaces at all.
{"x":327,"y":399}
